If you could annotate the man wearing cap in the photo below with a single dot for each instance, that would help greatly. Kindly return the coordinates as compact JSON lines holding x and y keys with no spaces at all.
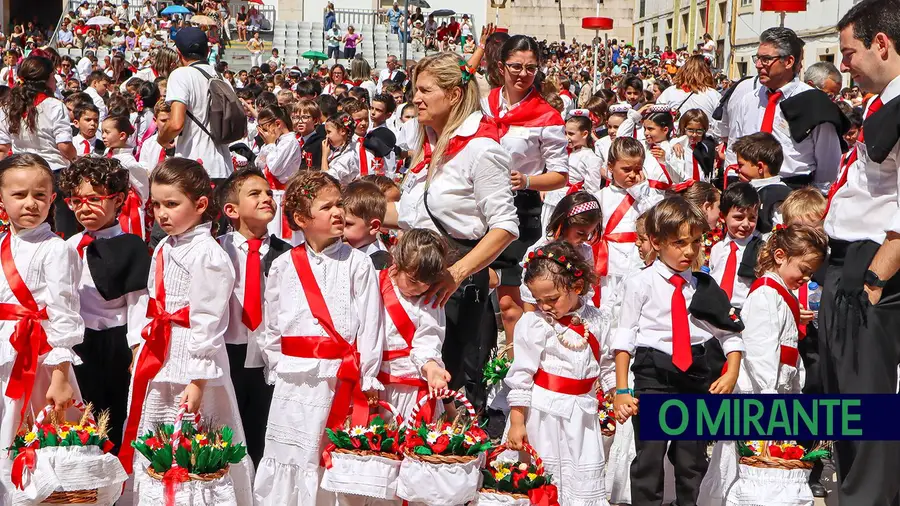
{"x":187,"y":92}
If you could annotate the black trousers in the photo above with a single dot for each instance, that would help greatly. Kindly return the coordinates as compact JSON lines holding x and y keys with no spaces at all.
{"x":654,"y":373}
{"x":103,"y":376}
{"x":254,"y":397}
{"x":859,"y":354}
{"x":64,"y":222}
{"x":465,"y":351}
{"x":528,"y":209}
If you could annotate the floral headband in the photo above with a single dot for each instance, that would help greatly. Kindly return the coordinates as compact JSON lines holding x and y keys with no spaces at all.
{"x":348,"y":123}
{"x":781,"y":227}
{"x":590,"y":205}
{"x":467,"y":72}
{"x":560,"y":260}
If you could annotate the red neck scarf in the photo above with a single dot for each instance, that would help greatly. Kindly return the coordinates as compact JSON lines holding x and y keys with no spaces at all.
{"x":532,"y":111}
{"x":486,"y":129}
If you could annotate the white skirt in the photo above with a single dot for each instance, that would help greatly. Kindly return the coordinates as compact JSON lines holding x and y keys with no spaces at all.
{"x":405,"y":398}
{"x":770,"y":487}
{"x":289,"y":473}
{"x":618,"y":467}
{"x":721,"y":475}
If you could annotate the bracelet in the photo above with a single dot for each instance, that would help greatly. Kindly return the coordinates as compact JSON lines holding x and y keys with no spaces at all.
{"x":623,"y":391}
{"x":527,"y":181}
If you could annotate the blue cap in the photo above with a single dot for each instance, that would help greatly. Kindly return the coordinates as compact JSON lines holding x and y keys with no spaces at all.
{"x":192,"y":41}
{"x":813,"y":285}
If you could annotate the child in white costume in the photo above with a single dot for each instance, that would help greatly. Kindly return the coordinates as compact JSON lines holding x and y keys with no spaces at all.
{"x":772,"y":317}
{"x":279,"y":159}
{"x":559,"y":358}
{"x":322,"y":301}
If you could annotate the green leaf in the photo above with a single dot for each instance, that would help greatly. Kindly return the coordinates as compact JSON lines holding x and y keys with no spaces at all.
{"x":183,"y":457}
{"x":423,"y":450}
{"x":51,"y":440}
{"x":422,"y":431}
{"x":488,"y":479}
{"x":240,"y":451}
{"x":203,"y":461}
{"x":143,"y":449}
{"x":216,"y":456}
{"x":333,"y":437}
{"x":744,"y":450}
{"x":456,"y":445}
{"x":227,"y":434}
{"x":162,"y":459}
{"x":377,"y":421}
{"x":816,"y":455}
{"x":387,"y":444}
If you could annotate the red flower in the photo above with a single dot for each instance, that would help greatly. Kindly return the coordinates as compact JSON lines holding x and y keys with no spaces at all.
{"x":414,"y":441}
{"x":49,"y":429}
{"x":355,"y":442}
{"x":153,"y":443}
{"x":83,"y":436}
{"x":478,"y":434}
{"x":441,"y":444}
{"x":775,"y":451}
{"x":186,"y":443}
{"x":518,"y":475}
{"x":578,"y":273}
{"x":793,"y":453}
{"x":108,"y":446}
{"x":562,"y":258}
{"x":374,"y":442}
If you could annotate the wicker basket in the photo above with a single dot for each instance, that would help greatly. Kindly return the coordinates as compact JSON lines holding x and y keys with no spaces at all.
{"x":439,"y":480}
{"x":764,"y":460}
{"x":493,"y":497}
{"x":363,"y":472}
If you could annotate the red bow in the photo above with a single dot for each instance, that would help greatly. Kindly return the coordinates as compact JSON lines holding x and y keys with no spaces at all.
{"x":326,"y":455}
{"x":27,"y":458}
{"x":174,"y":476}
{"x":546,"y":495}
{"x":780,"y":227}
{"x":680,"y":187}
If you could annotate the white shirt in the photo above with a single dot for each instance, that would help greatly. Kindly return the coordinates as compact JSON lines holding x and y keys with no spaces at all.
{"x":819,"y":153}
{"x":673,"y":170}
{"x":427,"y":342}
{"x":53,"y":127}
{"x":385,"y":74}
{"x":283,"y":158}
{"x":51,"y":270}
{"x":98,"y":101}
{"x":139,"y":176}
{"x":470,"y":194}
{"x":199,"y":274}
{"x":633,"y":120}
{"x":538,"y":346}
{"x":730,"y":116}
{"x":150,"y":152}
{"x":532,"y":149}
{"x":188,"y":86}
{"x":586,"y":166}
{"x":868,"y":207}
{"x":237,"y":249}
{"x":718,"y":258}
{"x":706,"y":100}
{"x":5,"y":76}
{"x":84,"y":67}
{"x":101,"y":314}
{"x":646,"y":316}
{"x":624,"y":257}
{"x":343,"y":164}
{"x":370,"y":87}
{"x":601,"y":147}
{"x":147,"y":74}
{"x":84,"y":147}
{"x":768,"y":325}
{"x":349,"y":285}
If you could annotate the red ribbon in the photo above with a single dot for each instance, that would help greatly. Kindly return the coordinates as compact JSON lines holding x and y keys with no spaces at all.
{"x":130,"y":217}
{"x":486,"y":129}
{"x":531,"y":111}
{"x":789,"y":355}
{"x":174,"y":476}
{"x":363,"y":158}
{"x":275,"y":184}
{"x":28,"y":339}
{"x":326,"y":456}
{"x":151,"y":358}
{"x":546,"y":495}
{"x":27,"y":458}
{"x":601,"y":247}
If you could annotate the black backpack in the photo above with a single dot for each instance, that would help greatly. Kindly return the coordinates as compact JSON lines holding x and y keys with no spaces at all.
{"x":224,"y":111}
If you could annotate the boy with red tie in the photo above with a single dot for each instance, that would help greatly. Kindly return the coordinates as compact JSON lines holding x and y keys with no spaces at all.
{"x":668,"y":314}
{"x":87,"y":120}
{"x":248,"y":204}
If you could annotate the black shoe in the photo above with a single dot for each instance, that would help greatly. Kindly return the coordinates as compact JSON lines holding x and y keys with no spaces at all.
{"x":818,"y":490}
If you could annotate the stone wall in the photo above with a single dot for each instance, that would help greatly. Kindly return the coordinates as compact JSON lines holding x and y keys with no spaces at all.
{"x":541,"y":18}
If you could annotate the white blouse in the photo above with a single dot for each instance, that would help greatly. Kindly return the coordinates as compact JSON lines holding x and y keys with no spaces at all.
{"x":624,"y":257}
{"x":282,"y":159}
{"x":470,"y":194}
{"x":53,"y":127}
{"x":150,"y":152}
{"x":197,"y":273}
{"x":51,"y":270}
{"x":138,"y":173}
{"x":343,"y":164}
{"x":585,"y":165}
{"x":768,"y":325}
{"x":101,"y":314}
{"x":349,"y":285}
{"x":675,"y":166}
{"x":538,"y":346}
{"x":427,"y":342}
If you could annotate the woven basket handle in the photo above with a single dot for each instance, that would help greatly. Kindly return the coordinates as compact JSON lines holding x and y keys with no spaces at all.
{"x":79,"y":405}
{"x":536,"y":459}
{"x":393,"y":411}
{"x":176,"y":433}
{"x":443,"y":393}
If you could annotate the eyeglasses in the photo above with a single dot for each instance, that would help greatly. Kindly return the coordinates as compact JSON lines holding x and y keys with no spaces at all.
{"x":301,"y":117}
{"x":93,"y":201}
{"x":517,"y":68}
{"x":695,"y":131}
{"x":766,"y":60}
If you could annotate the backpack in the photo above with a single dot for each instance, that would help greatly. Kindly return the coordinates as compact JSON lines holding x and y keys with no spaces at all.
{"x":224,"y":112}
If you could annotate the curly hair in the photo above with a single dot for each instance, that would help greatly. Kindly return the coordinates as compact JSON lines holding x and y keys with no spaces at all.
{"x":302,"y":190}
{"x":796,"y":241}
{"x":565,"y":267}
{"x":107,"y":173}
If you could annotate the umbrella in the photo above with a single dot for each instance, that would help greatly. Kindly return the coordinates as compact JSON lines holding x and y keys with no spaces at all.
{"x":203,"y":20}
{"x":260,"y":2}
{"x":99,"y":21}
{"x":175,"y":9}
{"x":440,"y":13}
{"x":314,"y":55}
{"x":419,"y":3}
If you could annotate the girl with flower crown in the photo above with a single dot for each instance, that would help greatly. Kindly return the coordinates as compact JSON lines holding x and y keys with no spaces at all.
{"x":338,"y":159}
{"x":561,"y":353}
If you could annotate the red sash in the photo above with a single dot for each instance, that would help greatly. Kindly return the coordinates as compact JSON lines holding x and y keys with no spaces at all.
{"x":157,"y":335}
{"x":275,"y":184}
{"x":789,"y":355}
{"x":660,"y":185}
{"x":130,"y":217}
{"x":363,"y":159}
{"x":28,"y":339}
{"x":803,"y":299}
{"x":601,"y":247}
{"x":532,"y":111}
{"x":486,"y":129}
{"x":332,"y":347}
{"x":562,"y":384}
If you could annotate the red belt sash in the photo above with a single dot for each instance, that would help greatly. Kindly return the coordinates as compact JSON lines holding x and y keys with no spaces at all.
{"x":562,"y":384}
{"x":660,"y":185}
{"x":28,"y":339}
{"x":332,"y":347}
{"x":803,"y":299}
{"x":130,"y":217}
{"x":275,"y":184}
{"x":157,"y":335}
{"x":789,"y":354}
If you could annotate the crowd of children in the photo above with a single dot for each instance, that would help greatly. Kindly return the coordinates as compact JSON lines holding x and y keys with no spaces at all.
{"x":647,"y":279}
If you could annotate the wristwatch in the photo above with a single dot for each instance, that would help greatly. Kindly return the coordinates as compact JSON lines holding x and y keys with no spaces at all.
{"x":873,"y":280}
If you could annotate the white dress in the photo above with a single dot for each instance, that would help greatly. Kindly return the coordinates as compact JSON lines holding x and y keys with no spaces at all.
{"x":289,"y":473}
{"x":280,"y":161}
{"x":198,"y":274}
{"x":343,"y":163}
{"x":769,"y":326}
{"x":584,"y":167}
{"x":564,"y":429}
{"x":51,"y":271}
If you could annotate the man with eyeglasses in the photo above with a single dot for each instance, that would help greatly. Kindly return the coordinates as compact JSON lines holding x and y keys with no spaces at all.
{"x":803,"y":120}
{"x":393,"y":67}
{"x":860,"y":311}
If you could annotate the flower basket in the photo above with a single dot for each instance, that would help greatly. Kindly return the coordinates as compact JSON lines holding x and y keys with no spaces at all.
{"x":365,"y":460}
{"x":442,"y":460}
{"x":494,"y":373}
{"x":607,"y":415}
{"x":774,"y":474}
{"x":189,"y":463}
{"x":779,"y":455}
{"x":65,"y":462}
{"x":515,"y":483}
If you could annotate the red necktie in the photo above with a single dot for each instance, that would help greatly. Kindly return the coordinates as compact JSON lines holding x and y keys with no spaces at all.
{"x":87,"y":147}
{"x":162,"y":156}
{"x":681,"y":330}
{"x":873,"y":108}
{"x":252,"y":315}
{"x":109,"y":154}
{"x":851,"y":157}
{"x":83,"y":243}
{"x":730,"y":270}
{"x":696,"y":166}
{"x":363,"y":159}
{"x":10,"y":79}
{"x":769,"y":116}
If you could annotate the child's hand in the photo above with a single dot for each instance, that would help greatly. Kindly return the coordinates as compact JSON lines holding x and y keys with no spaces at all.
{"x":517,"y":180}
{"x":60,"y":393}
{"x":625,"y":406}
{"x":806,"y":316}
{"x":516,"y":437}
{"x":725,"y":384}
{"x":678,"y":149}
{"x":372,"y":397}
{"x":192,"y":395}
{"x":658,"y":153}
{"x":437,"y":376}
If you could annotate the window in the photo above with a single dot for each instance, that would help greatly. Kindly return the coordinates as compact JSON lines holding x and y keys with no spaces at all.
{"x":746,"y":3}
{"x":642,"y":9}
{"x":669,"y":39}
{"x":653,"y":43}
{"x":721,"y":24}
{"x":827,"y":57}
{"x":701,"y":21}
{"x":742,"y":66}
